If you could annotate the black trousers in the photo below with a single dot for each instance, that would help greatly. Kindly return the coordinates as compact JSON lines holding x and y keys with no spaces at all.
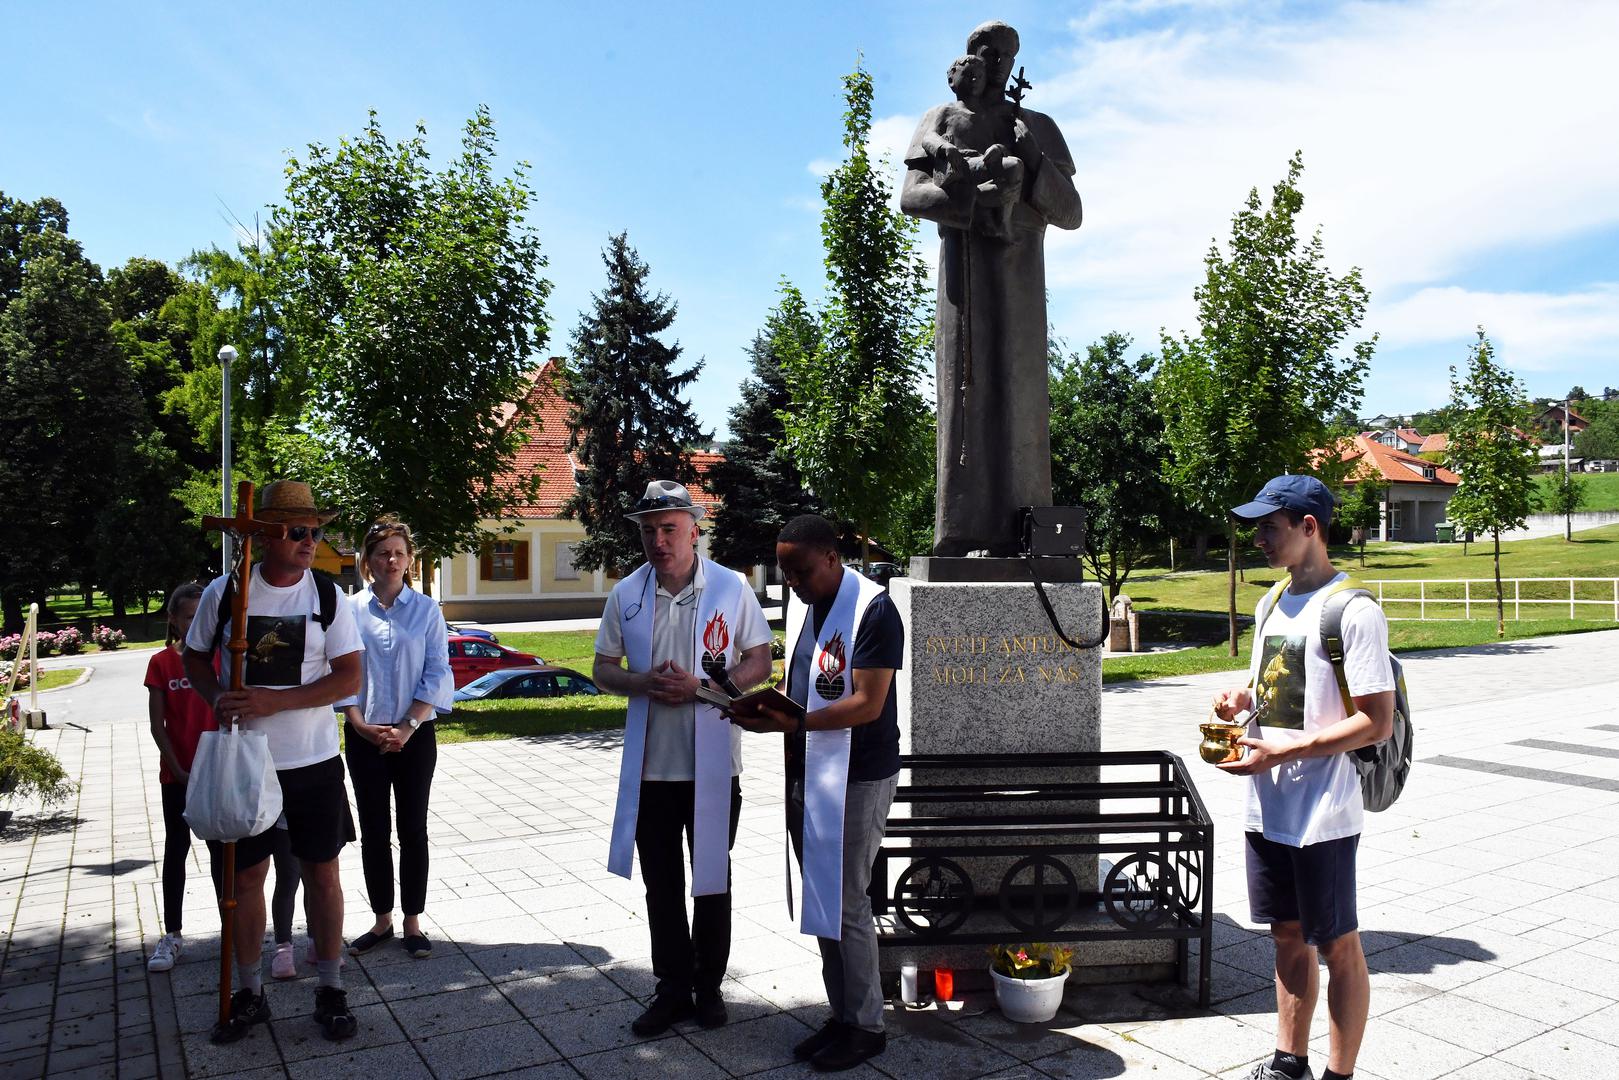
{"x":408,"y":776}
{"x":685,"y":957}
{"x":176,"y":850}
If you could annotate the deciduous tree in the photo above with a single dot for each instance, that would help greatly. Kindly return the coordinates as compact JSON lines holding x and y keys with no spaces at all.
{"x":1253,"y":394}
{"x":70,"y":406}
{"x":1491,"y":452}
{"x":415,"y":297}
{"x":1107,"y":455}
{"x":858,"y":426}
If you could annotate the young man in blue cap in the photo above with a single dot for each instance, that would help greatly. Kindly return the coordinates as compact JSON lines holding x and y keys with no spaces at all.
{"x":1303,"y":815}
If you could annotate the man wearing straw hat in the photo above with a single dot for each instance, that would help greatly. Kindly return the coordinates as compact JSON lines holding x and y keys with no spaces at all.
{"x":675,"y":622}
{"x":303,"y":655}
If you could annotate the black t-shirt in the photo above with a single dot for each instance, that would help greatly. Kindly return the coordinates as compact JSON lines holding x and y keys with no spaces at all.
{"x":879,"y":643}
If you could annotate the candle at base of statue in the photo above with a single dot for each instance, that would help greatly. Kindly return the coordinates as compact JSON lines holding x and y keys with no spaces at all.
{"x":907,"y":983}
{"x":944,"y":983}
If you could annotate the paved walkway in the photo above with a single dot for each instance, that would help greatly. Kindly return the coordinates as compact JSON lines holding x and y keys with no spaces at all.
{"x":1490,"y":898}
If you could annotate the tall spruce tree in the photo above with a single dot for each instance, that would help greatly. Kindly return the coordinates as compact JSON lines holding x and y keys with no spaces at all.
{"x":758,"y":484}
{"x":629,"y":420}
{"x":1493,"y":455}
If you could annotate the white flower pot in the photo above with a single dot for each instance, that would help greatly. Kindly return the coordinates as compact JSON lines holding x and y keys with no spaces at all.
{"x":1028,"y":1001}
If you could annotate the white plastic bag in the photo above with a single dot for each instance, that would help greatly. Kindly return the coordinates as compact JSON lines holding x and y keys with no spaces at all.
{"x":233,"y":792}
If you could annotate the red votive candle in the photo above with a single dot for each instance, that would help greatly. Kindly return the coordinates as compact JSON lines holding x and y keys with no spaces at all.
{"x":944,"y":983}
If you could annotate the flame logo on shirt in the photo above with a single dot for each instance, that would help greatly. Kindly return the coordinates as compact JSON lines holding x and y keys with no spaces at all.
{"x":832,"y":661}
{"x":716,"y":636}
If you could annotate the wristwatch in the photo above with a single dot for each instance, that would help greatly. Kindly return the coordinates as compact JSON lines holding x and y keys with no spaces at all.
{"x":413,"y":722}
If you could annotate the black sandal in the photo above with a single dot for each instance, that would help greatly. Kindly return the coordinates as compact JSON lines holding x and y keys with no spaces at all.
{"x":369,"y":940}
{"x":418,"y":946}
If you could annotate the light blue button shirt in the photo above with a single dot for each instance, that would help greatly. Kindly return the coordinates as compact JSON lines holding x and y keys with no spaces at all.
{"x":407,"y":656}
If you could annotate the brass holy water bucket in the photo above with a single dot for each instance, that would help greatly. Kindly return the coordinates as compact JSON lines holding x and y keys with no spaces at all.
{"x":1220,"y":742}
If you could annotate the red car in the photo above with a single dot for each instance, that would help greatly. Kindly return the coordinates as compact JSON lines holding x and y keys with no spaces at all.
{"x":474,"y":657}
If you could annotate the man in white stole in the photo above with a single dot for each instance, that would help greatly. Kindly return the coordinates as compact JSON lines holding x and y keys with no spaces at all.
{"x":678,"y":620}
{"x":844,"y":643}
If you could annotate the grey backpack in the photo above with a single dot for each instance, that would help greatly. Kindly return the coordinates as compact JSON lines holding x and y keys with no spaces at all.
{"x":1384,"y":766}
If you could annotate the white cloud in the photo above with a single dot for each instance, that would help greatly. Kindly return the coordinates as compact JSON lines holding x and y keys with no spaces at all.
{"x":1531,"y":331}
{"x":1436,"y":137}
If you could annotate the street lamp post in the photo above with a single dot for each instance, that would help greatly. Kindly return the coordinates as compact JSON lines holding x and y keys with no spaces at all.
{"x":226,"y":355}
{"x":1568,"y":514}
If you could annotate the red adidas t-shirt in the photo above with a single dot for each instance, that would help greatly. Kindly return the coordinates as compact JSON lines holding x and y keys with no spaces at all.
{"x":185,"y":714}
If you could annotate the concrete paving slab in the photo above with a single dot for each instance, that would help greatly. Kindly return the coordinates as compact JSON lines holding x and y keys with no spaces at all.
{"x":1488,"y":906}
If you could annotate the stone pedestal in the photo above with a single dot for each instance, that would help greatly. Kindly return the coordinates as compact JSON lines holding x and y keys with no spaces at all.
{"x":985,"y":673}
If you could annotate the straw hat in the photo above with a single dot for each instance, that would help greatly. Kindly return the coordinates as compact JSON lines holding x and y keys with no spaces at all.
{"x":283,"y":499}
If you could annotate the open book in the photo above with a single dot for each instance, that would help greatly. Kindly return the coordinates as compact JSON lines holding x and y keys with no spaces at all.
{"x":748,"y":704}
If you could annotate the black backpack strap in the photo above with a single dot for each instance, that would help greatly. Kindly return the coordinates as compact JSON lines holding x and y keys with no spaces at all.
{"x":227,"y":597}
{"x":326,"y":588}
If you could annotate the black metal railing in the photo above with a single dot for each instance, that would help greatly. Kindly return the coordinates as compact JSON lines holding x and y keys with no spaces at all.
{"x":1159,"y":886}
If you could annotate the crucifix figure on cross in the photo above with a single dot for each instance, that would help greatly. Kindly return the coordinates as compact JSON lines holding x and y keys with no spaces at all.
{"x":243,"y":527}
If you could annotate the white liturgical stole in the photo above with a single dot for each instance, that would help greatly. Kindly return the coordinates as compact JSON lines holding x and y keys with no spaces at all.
{"x":718,"y":610}
{"x":826,"y":753}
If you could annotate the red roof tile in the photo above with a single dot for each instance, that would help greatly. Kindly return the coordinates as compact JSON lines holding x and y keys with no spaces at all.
{"x":547,"y":451}
{"x":1437,"y":443}
{"x":1395,"y":466}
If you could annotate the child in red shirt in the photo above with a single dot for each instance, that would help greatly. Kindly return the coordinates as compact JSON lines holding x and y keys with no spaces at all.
{"x":179,"y":716}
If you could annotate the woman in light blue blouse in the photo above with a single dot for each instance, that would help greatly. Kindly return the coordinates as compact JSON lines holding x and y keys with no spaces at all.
{"x":390,"y":743}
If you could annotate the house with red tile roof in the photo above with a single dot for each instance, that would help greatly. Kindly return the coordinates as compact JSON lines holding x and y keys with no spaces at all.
{"x":528,"y":573}
{"x":1418,"y":490}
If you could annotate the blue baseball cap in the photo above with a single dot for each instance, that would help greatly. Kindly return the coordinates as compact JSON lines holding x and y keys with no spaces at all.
{"x":1305,"y":494}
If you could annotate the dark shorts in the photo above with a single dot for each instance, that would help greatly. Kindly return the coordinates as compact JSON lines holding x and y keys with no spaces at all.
{"x":315,"y":803}
{"x":1313,"y":886}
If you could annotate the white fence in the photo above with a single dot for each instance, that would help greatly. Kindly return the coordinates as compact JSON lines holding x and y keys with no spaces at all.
{"x":1437,"y":599}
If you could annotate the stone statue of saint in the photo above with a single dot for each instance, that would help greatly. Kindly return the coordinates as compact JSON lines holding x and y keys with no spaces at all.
{"x":992,"y":175}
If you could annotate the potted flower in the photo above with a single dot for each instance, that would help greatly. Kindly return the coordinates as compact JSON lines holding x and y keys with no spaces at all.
{"x":29,"y":771}
{"x":1029,"y":980}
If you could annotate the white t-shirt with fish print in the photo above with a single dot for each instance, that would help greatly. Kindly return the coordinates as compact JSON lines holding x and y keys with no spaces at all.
{"x":1296,"y":694}
{"x":285,"y":647}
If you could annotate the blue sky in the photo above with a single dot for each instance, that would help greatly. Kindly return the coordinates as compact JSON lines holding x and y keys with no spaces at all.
{"x":1460,"y":153}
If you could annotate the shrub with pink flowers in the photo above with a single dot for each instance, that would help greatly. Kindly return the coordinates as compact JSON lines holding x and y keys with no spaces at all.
{"x":45,"y":642}
{"x":106,"y":638}
{"x":8,"y":646}
{"x":69,"y":642}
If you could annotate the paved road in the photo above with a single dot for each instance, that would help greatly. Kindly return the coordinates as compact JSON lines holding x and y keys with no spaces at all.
{"x":1489,"y":902}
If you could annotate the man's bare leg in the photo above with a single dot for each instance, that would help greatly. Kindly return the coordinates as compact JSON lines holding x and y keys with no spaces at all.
{"x":248,"y":926}
{"x":1349,"y":995}
{"x":1298,"y":984}
{"x":323,"y":893}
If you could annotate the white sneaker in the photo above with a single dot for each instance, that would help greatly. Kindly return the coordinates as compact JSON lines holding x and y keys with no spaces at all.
{"x":285,"y":964}
{"x":166,"y":953}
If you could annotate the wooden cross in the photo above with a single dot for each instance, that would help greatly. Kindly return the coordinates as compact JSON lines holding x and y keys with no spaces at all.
{"x":244,"y":526}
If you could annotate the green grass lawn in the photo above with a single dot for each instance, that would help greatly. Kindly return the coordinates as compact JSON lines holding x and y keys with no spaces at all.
{"x":1404,"y":636}
{"x":50,"y":680}
{"x":1601,"y":490}
{"x":475,"y":721}
{"x":566,"y":648}
{"x":1594,"y":553}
